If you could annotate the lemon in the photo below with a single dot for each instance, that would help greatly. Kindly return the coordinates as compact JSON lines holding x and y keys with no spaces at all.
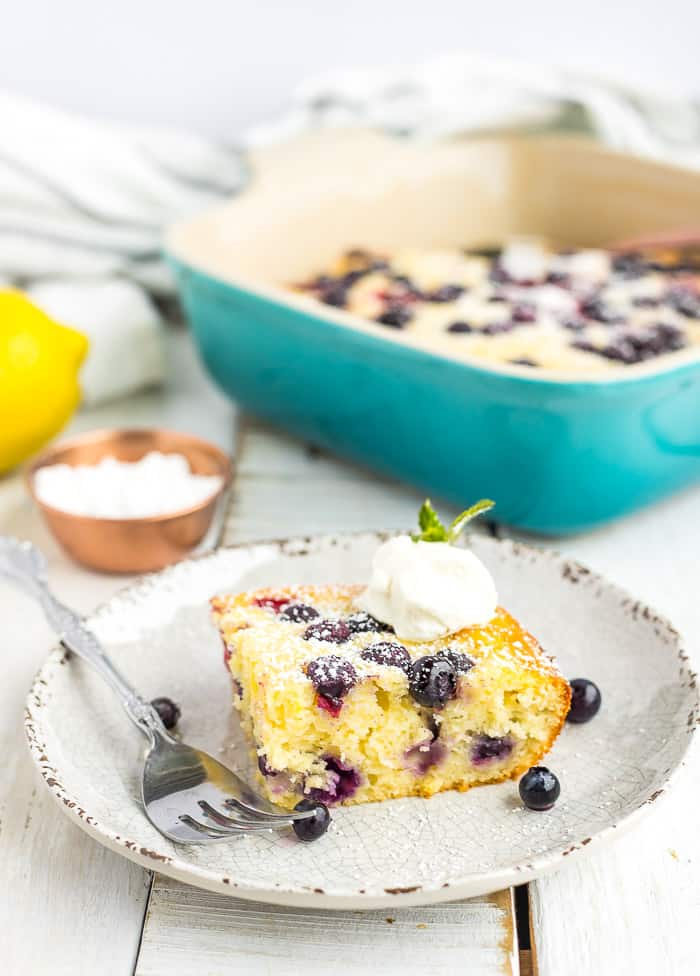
{"x":39,"y":364}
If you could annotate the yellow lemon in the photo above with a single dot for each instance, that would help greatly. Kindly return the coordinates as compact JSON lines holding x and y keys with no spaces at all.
{"x":39,"y":364}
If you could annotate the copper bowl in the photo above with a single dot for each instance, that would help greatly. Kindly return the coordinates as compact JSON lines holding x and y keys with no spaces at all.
{"x":136,"y":545}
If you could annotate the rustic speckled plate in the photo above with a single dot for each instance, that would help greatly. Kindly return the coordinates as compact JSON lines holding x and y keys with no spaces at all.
{"x":402,"y":851}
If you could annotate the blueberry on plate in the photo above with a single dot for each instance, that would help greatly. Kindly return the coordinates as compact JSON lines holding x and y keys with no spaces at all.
{"x":433,"y":681}
{"x":539,"y":788}
{"x":168,"y":711}
{"x":314,"y":827}
{"x":585,"y":701}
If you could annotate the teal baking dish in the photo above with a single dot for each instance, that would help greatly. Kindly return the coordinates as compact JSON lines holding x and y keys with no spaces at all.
{"x":559,"y":455}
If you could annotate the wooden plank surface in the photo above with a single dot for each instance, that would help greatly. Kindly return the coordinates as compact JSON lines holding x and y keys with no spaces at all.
{"x":202,"y":934}
{"x":67,"y":904}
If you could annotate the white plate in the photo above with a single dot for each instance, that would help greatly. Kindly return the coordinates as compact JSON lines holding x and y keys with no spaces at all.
{"x":408,"y":851}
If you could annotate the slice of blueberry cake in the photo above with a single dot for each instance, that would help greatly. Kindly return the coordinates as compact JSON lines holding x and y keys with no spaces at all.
{"x":580,"y":311}
{"x":338,"y":708}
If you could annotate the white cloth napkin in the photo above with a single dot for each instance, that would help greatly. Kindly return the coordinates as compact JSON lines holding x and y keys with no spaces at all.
{"x":84,"y":204}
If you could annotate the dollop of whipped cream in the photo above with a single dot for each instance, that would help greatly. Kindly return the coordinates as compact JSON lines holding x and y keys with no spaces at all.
{"x":427,"y":590}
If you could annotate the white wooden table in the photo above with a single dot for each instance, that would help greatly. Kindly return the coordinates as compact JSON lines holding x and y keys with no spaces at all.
{"x":69,"y":906}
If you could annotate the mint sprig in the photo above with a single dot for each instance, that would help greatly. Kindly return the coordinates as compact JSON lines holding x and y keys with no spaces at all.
{"x":433,"y":530}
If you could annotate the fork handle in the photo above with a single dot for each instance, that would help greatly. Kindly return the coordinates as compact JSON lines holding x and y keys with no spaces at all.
{"x":23,"y":564}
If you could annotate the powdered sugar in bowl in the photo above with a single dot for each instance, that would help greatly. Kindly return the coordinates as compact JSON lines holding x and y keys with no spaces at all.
{"x":133,"y":500}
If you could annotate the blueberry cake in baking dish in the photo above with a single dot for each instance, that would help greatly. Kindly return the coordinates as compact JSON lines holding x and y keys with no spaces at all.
{"x":581,"y":311}
{"x":337,"y":707}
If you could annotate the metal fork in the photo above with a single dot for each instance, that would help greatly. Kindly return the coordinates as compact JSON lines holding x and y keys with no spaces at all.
{"x":188,"y":796}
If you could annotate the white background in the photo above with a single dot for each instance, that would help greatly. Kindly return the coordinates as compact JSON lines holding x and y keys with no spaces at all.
{"x":217,"y":64}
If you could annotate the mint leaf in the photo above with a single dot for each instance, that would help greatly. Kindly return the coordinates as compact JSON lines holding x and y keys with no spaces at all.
{"x":457,"y":527}
{"x":431,"y":528}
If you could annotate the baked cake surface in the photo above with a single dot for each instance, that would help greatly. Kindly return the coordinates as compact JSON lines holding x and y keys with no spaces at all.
{"x":336,"y":708}
{"x":580,"y":310}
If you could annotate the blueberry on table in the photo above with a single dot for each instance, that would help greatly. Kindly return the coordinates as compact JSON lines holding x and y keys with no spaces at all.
{"x":168,"y":711}
{"x":299,"y":613}
{"x":585,"y":701}
{"x":314,"y":827}
{"x":539,"y":788}
{"x":433,"y":681}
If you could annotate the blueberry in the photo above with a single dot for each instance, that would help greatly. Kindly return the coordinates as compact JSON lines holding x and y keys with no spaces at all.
{"x":585,"y":701}
{"x":322,"y":281}
{"x":298,"y":613}
{"x":560,"y":278}
{"x":573,"y":324}
{"x":351,"y":277}
{"x":685,"y":301}
{"x":523,"y":361}
{"x":424,"y":756}
{"x":395,"y":318}
{"x":168,"y":711}
{"x":597,"y":310}
{"x":539,"y":789}
{"x":460,"y":662}
{"x":524,"y":313}
{"x":496,"y":328}
{"x":365,"y":623}
{"x":265,"y":767}
{"x":487,"y":749}
{"x":637,"y":345}
{"x":433,"y":681}
{"x":343,"y":781}
{"x":332,"y":676}
{"x":448,"y":293}
{"x":330,"y":631}
{"x":629,"y":265}
{"x":498,"y":274}
{"x":390,"y":654}
{"x":335,"y":295}
{"x":460,"y":327}
{"x":314,"y":827}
